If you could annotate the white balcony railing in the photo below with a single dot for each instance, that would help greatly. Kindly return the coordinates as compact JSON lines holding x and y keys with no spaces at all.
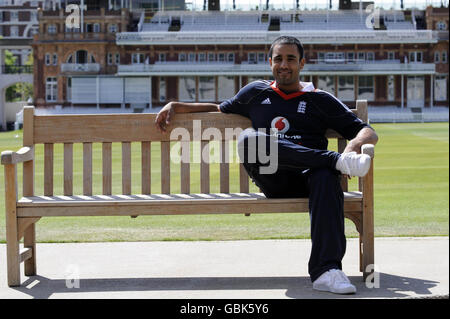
{"x":208,"y":68}
{"x":265,"y":37}
{"x":80,"y":67}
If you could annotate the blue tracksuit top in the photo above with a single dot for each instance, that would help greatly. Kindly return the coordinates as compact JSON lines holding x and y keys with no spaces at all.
{"x":300,"y":117}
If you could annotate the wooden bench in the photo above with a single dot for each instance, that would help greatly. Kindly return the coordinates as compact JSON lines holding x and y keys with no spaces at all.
{"x":22,"y":214}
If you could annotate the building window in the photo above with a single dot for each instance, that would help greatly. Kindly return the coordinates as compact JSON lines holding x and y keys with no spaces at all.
{"x":225,"y":87}
{"x":350,"y":56}
{"x":191,"y":57}
{"x":162,"y":57}
{"x":415,"y":57}
{"x":14,"y":31}
{"x":230,"y":57}
{"x":81,"y":57}
{"x":326,"y":83}
{"x":211,"y":57}
{"x":138,"y":58}
{"x":96,"y":27}
{"x":441,"y":25}
{"x":361,"y":57}
{"x":444,"y":56}
{"x":14,"y":16}
{"x":346,"y":88}
{"x":390,"y":88}
{"x":186,"y":88}
{"x":51,"y":89}
{"x":182,"y":57}
{"x":391,"y":55}
{"x":366,"y":89}
{"x":206,"y":88}
{"x":55,"y":59}
{"x":221,"y":57}
{"x":261,"y":57}
{"x":112,"y":28}
{"x":51,"y":29}
{"x":251,"y":57}
{"x":117,"y":61}
{"x":370,"y":56}
{"x":47,"y":59}
{"x":162,"y":89}
{"x":201,"y":57}
{"x":110,"y":59}
{"x":436,"y":57}
{"x":440,"y":88}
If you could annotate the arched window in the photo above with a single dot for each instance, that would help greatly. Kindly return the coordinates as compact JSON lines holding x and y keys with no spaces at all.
{"x":81,"y":57}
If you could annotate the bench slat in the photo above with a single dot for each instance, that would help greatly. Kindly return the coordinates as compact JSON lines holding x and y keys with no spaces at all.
{"x":185,"y":170}
{"x":165,"y":167}
{"x":126,"y":168}
{"x":48,"y":169}
{"x":107,"y":168}
{"x":224,"y":167}
{"x":87,"y":168}
{"x":161,"y":204}
{"x":71,"y":128}
{"x":146,"y":182}
{"x":68,"y":169}
{"x":204,"y":167}
{"x":243,"y":179}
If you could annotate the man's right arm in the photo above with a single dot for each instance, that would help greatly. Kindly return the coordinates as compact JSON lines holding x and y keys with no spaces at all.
{"x":164,"y":116}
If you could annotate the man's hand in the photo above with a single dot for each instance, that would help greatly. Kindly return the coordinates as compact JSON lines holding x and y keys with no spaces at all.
{"x":163,"y":118}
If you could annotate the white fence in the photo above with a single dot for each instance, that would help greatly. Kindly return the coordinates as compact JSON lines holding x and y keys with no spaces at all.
{"x":394,"y":114}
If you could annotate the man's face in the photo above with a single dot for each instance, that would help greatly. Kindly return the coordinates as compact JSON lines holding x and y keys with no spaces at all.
{"x":285,"y":64}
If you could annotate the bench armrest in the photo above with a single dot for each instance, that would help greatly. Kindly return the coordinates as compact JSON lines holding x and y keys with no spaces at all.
{"x":25,"y":154}
{"x":368,"y":149}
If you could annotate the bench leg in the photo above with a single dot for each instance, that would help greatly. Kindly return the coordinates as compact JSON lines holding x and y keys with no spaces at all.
{"x":12,"y":241}
{"x":13,"y":259}
{"x":29,"y":241}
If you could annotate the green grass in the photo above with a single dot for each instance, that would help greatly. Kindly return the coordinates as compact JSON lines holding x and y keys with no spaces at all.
{"x":411,"y":195}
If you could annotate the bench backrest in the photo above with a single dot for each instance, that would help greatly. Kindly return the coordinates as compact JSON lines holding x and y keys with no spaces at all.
{"x":206,"y":128}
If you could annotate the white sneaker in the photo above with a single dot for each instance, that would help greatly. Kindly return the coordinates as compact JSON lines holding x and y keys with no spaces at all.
{"x":353,"y":164}
{"x":334,"y":281}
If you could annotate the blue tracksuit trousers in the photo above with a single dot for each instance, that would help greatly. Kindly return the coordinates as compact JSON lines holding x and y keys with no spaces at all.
{"x":303,"y":172}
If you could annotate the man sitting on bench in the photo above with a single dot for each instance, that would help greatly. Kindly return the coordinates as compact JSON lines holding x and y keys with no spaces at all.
{"x":295,"y":116}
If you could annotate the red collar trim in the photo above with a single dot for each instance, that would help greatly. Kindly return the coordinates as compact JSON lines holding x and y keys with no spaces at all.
{"x":285,"y":96}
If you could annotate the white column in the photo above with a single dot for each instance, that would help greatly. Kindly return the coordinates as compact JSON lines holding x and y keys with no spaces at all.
{"x":402,"y":90}
{"x":151,"y":93}
{"x":98,"y":92}
{"x":1,"y":61}
{"x":431,"y":90}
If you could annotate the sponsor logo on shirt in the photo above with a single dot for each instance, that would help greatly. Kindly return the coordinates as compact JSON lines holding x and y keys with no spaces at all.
{"x":301,"y":107}
{"x":280,"y":124}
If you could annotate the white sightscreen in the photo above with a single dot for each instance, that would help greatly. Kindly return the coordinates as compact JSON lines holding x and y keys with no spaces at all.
{"x":84,"y":90}
{"x":111,"y":90}
{"x":137,"y":90}
{"x":225,"y":88}
{"x":186,"y":88}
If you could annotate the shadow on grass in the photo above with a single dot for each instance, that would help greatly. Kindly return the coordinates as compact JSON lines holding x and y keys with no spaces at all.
{"x":390,"y":286}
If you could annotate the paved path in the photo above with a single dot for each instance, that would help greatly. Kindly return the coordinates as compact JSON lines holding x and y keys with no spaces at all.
{"x":274,"y":269}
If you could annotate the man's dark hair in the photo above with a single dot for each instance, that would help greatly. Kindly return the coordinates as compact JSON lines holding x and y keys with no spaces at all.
{"x":284,"y":39}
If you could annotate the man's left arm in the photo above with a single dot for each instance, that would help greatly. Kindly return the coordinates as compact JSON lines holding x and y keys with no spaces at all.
{"x":365,"y":136}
